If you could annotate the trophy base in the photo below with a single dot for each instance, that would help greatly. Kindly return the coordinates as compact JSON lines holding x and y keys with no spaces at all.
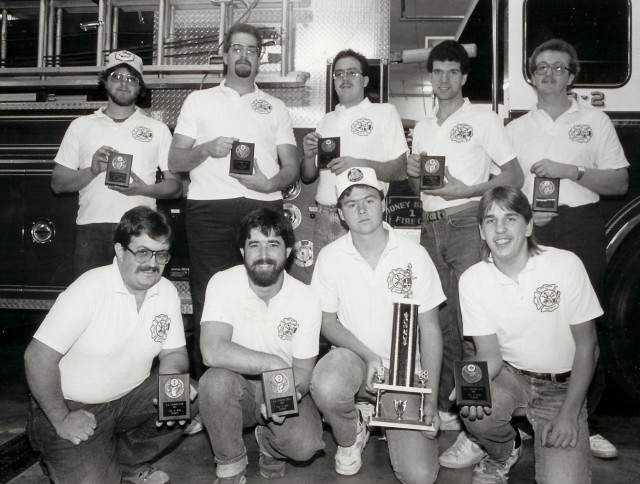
{"x":401,"y":389}
{"x":394,"y":423}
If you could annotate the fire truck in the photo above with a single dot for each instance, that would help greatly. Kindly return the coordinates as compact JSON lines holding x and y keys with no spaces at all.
{"x":52,"y":50}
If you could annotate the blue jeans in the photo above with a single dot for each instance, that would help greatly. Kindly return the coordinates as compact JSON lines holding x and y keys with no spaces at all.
{"x":230,"y":402}
{"x":336,"y":381}
{"x":328,"y":227}
{"x":211,"y":233}
{"x":541,"y":400}
{"x":126,"y":436}
{"x":94,"y":247}
{"x":453,"y":244}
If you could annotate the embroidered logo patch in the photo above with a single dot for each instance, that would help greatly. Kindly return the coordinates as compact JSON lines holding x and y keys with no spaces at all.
{"x":362,"y":127}
{"x":355,"y":175}
{"x":142,"y":133}
{"x":400,"y":281}
{"x":124,"y":56}
{"x":580,"y":133}
{"x":287,"y":328}
{"x":160,"y":327}
{"x":261,"y":106}
{"x":461,"y":133}
{"x":547,"y":298}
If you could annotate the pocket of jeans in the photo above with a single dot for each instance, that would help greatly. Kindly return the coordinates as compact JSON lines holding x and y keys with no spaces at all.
{"x":463,"y":222}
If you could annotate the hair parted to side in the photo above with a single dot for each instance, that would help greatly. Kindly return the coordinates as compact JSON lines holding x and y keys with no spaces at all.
{"x":242,"y":29}
{"x":452,"y":51}
{"x":143,"y":220}
{"x":348,"y":191}
{"x":265,"y":220}
{"x":556,"y":45}
{"x":364,"y":63}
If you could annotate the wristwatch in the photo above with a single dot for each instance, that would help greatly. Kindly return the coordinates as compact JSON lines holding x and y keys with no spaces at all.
{"x":581,"y":171}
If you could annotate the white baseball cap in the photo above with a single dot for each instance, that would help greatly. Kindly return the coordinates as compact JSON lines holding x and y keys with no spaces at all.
{"x":357,"y":176}
{"x":124,"y":57}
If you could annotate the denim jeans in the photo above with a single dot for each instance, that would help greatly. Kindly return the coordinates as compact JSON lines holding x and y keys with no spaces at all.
{"x":453,"y":244}
{"x":211,"y":233}
{"x":94,"y":247}
{"x":229,"y":402}
{"x":336,"y":381}
{"x":328,"y":228}
{"x":541,"y":400}
{"x":126,"y":436}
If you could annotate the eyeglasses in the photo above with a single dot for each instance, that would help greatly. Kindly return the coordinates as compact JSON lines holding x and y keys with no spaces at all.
{"x":121,"y":76}
{"x":349,"y":74}
{"x":144,"y":255}
{"x":556,"y":69}
{"x":244,"y":48}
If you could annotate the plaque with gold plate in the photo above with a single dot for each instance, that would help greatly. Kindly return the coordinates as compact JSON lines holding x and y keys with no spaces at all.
{"x":431,"y":172}
{"x":118,"y":170}
{"x":280,"y":395}
{"x":328,"y":149}
{"x":241,"y":158}
{"x":473,"y":386}
{"x":173,"y":397}
{"x":404,"y":343}
{"x":545,"y":194}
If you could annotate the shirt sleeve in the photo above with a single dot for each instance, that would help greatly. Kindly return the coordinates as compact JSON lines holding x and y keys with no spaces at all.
{"x":610,"y":153}
{"x":496,"y":141}
{"x":284,"y":134}
{"x":475,"y":317}
{"x":580,"y":296}
{"x":323,"y":285}
{"x":307,"y":340}
{"x":187,"y":124}
{"x":218,"y":301}
{"x":69,"y":152}
{"x":164,"y":144}
{"x":395,"y":143}
{"x":427,"y":289}
{"x":175,"y":336}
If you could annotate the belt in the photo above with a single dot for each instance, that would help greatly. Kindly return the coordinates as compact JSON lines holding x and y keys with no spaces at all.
{"x":448,"y":212}
{"x":553,"y":377}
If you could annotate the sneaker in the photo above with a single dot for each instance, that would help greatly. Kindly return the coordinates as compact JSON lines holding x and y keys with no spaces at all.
{"x":194,"y":426}
{"x":270,"y":467}
{"x":145,"y":475}
{"x":237,"y":479}
{"x":449,"y":421}
{"x":490,"y":471}
{"x":463,"y":453}
{"x":602,"y":448}
{"x":367,"y":410}
{"x":349,"y":459}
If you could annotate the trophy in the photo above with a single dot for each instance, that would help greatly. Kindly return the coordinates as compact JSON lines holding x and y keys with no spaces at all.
{"x":173,"y":397}
{"x":432,"y":172}
{"x":328,"y":149}
{"x":241,"y":158}
{"x":118,"y":170}
{"x":545,"y":194}
{"x":403,"y":360}
{"x":280,"y":395}
{"x":473,"y":387}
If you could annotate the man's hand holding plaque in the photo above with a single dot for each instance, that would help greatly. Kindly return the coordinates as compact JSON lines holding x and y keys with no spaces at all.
{"x":280,"y":394}
{"x":328,"y":149}
{"x":118,"y":169}
{"x":175,"y":394}
{"x":241,"y":158}
{"x":473,"y":389}
{"x":545,"y":194}
{"x":431,"y":172}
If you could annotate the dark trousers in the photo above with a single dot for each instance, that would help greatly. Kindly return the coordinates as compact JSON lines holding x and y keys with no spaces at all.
{"x":94,"y":247}
{"x":211,"y":232}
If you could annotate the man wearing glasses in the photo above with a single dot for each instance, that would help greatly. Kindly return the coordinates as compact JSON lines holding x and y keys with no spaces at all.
{"x":88,"y":367}
{"x":371,"y":135}
{"x":84,"y":152}
{"x":559,"y":138}
{"x":210,"y":121}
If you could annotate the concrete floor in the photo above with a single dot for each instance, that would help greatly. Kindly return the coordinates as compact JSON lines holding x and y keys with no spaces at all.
{"x":192,"y":461}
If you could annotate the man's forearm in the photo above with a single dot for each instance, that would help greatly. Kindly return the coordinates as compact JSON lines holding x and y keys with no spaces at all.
{"x":341,"y":337}
{"x":71,"y":181}
{"x":186,"y":159}
{"x":177,"y":362}
{"x":392,"y":170}
{"x":46,"y":388}
{"x":165,"y":189}
{"x":584,"y":364}
{"x":242,"y":360}
{"x":285,"y":177}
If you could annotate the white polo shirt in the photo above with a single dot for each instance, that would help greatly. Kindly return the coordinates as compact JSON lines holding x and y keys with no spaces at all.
{"x":581,"y":136}
{"x":531,"y":317}
{"x":147,"y":139}
{"x":288,"y":327}
{"x":363,"y":297}
{"x":109,"y":346}
{"x":368,"y":131}
{"x":256,"y":118}
{"x":470,"y":139}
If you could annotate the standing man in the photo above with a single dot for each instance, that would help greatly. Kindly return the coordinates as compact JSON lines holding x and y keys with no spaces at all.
{"x":540,"y":362}
{"x":358,"y":278}
{"x":82,"y":160}
{"x":470,"y":138}
{"x":88,"y":367}
{"x":257,"y":318}
{"x":559,"y":138}
{"x":370,"y":135}
{"x":210,"y":121}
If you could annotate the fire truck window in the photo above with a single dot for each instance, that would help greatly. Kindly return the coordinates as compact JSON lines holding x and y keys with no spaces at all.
{"x":598,"y":29}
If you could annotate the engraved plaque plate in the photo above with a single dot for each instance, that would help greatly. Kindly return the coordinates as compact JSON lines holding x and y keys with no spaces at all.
{"x":280,"y":396}
{"x":173,"y":397}
{"x":118,"y":170}
{"x":431,"y":172}
{"x":241,"y":158}
{"x":473,"y":386}
{"x":545,"y":194}
{"x":328,"y":149}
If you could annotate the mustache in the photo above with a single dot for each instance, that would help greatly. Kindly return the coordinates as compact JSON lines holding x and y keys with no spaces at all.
{"x":264,"y":261}
{"x":147,"y":268}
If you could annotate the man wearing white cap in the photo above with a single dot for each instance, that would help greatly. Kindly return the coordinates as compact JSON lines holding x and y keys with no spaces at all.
{"x":81,"y":161}
{"x":357,"y":278}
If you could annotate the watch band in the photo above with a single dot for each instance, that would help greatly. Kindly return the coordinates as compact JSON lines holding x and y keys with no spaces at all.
{"x":581,"y":171}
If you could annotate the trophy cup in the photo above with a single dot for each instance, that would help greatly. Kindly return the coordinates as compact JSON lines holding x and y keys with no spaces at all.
{"x":432,"y":172}
{"x":473,"y":387}
{"x":280,"y":395}
{"x":403,"y":360}
{"x":545,"y":194}
{"x":118,"y":170}
{"x":241,"y":159}
{"x":328,"y":149}
{"x":173,"y":397}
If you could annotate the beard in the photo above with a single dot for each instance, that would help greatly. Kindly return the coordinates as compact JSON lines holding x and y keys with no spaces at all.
{"x":121,"y":98}
{"x":265,"y":277}
{"x":243,"y":68}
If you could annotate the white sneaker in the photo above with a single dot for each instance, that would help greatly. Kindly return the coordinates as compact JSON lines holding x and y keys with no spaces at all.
{"x":449,"y":421}
{"x":602,"y":448}
{"x":463,"y":453}
{"x":349,"y":459}
{"x":490,"y":471}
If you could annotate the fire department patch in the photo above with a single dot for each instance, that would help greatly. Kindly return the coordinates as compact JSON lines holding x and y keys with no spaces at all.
{"x":362,"y":127}
{"x":287,"y":328}
{"x":547,"y":298}
{"x":400,"y":281}
{"x":160,"y":327}
{"x":580,"y":133}
{"x":142,"y":133}
{"x":261,"y":106}
{"x":461,"y":133}
{"x":355,"y":175}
